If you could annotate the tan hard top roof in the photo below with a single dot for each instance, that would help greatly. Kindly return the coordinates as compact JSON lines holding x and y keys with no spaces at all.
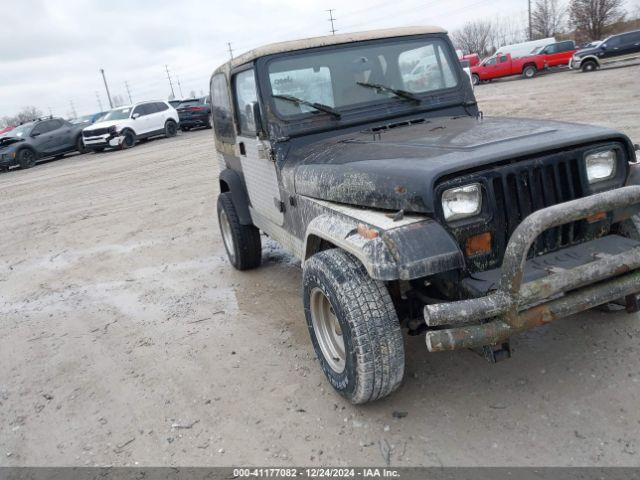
{"x":304,"y":43}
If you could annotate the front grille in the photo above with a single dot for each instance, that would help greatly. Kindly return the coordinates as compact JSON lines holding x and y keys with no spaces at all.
{"x":520,"y":190}
{"x":515,"y":190}
{"x":95,"y":132}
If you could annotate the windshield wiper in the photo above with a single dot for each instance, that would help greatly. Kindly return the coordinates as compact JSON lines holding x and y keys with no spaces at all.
{"x":317,"y":106}
{"x":397,"y":92}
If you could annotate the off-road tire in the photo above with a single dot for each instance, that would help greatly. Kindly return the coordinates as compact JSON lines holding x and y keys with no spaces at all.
{"x":80,"y":145}
{"x":529,"y":71}
{"x":588,"y":66}
{"x":27,"y":158}
{"x":170,"y":128}
{"x":475,"y":79}
{"x":129,"y":140}
{"x":245,"y":252}
{"x":373,"y":343}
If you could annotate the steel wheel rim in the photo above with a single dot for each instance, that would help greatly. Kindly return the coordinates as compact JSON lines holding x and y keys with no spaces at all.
{"x":227,"y":238}
{"x":328,"y":331}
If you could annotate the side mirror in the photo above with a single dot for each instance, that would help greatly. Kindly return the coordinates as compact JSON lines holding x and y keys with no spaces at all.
{"x":603,"y":46}
{"x":34,"y":134}
{"x":135,"y":115}
{"x":257,"y":119}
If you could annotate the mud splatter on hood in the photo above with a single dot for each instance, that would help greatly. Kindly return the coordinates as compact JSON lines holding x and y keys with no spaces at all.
{"x":397,"y":168}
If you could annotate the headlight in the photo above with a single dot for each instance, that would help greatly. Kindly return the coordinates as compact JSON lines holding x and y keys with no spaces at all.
{"x":600,"y":165}
{"x":462,"y":202}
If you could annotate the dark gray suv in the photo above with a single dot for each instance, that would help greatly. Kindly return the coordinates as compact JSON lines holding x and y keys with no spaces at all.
{"x":42,"y":138}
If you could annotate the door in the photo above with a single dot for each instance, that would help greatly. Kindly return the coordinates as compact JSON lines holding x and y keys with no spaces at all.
{"x":503,"y":67}
{"x":258,"y":169}
{"x":610,"y":50}
{"x":44,"y":140}
{"x":141,"y":124}
{"x":65,"y":132}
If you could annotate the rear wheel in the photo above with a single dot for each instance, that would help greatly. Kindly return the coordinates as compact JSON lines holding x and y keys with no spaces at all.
{"x":529,"y":71}
{"x":242,"y":242}
{"x":589,"y":66}
{"x":80,"y":145}
{"x":27,"y":158}
{"x":475,"y":79}
{"x":353,"y":325}
{"x":170,"y":129}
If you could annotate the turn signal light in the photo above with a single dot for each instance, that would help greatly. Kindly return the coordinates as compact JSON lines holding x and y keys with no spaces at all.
{"x":596,"y":217}
{"x":478,"y":244}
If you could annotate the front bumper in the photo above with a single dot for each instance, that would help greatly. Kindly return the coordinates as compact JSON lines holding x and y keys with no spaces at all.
{"x":515,"y":306}
{"x":574,"y":63}
{"x":107,"y":140}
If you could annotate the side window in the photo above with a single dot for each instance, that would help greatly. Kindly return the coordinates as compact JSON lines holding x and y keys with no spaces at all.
{"x":55,"y":124}
{"x":221,"y":109}
{"x":491,"y":61}
{"x":246,"y":94}
{"x":551,"y":49}
{"x":503,"y":59}
{"x":161,"y":107}
{"x":45,"y":127}
{"x":150,"y":108}
{"x":140,"y":110}
{"x":614,"y":42}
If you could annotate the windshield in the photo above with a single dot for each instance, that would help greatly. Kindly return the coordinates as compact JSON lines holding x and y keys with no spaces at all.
{"x":118,"y":114}
{"x":342,"y":78}
{"x":83,"y":119}
{"x":21,"y":130}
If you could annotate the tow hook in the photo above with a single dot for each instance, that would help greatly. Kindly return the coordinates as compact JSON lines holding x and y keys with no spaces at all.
{"x":497,"y":353}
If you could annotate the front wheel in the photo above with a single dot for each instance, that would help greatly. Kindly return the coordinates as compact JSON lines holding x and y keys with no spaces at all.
{"x":27,"y":158}
{"x":129,"y":139}
{"x":353,"y":325}
{"x":170,"y":129}
{"x":589,"y":66}
{"x":529,"y":71}
{"x":475,"y":79}
{"x":242,"y":242}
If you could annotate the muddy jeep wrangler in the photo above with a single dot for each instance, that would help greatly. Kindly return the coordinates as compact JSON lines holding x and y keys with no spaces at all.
{"x":367,"y":157}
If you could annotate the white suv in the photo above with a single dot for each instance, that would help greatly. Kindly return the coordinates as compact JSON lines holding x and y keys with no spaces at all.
{"x":123,"y":126}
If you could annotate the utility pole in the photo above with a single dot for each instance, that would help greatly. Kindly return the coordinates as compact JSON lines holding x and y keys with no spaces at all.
{"x":50,"y":112}
{"x":106,"y":87}
{"x":126,"y":84}
{"x":99,"y":101}
{"x":331,"y":19}
{"x":179,"y":87}
{"x":530,"y":30}
{"x":173,"y":94}
{"x":73,"y":109}
{"x":230,"y":49}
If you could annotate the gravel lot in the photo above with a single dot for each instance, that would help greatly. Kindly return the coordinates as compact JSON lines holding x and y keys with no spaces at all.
{"x":127,"y":339}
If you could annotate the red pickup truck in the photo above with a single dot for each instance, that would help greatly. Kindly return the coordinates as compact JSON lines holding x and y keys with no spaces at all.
{"x":502,"y":65}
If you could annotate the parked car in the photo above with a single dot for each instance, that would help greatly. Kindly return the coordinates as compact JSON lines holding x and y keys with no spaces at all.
{"x":88,"y":119}
{"x":195,"y":112}
{"x":558,"y":54}
{"x":524,"y":49}
{"x":408,"y":209}
{"x":30,"y":142}
{"x":6,"y":130}
{"x":505,"y":66}
{"x":473,"y":58}
{"x":174,"y":103}
{"x":122,"y":127}
{"x":616,"y":48}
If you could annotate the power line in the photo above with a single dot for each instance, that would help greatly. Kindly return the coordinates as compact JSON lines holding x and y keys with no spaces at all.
{"x":106,"y":87}
{"x":126,"y":84}
{"x":331,"y":19}
{"x":230,"y":49}
{"x":173,"y":94}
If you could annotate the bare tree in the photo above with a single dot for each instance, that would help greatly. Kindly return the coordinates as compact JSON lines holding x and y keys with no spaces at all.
{"x":25,"y":115}
{"x":506,"y":31}
{"x":592,"y":18}
{"x":474,"y":37}
{"x":547,"y":18}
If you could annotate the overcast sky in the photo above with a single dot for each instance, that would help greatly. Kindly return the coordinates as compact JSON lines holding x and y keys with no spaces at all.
{"x":51,"y":50}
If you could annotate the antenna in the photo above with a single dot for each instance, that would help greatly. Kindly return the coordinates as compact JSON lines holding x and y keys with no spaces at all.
{"x":331,"y":19}
{"x":230,"y":49}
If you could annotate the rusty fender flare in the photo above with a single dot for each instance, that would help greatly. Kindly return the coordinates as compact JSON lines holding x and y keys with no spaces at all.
{"x":406,"y":252}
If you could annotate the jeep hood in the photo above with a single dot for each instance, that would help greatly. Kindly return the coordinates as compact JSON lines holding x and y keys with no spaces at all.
{"x":398,"y":168}
{"x":6,"y":141}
